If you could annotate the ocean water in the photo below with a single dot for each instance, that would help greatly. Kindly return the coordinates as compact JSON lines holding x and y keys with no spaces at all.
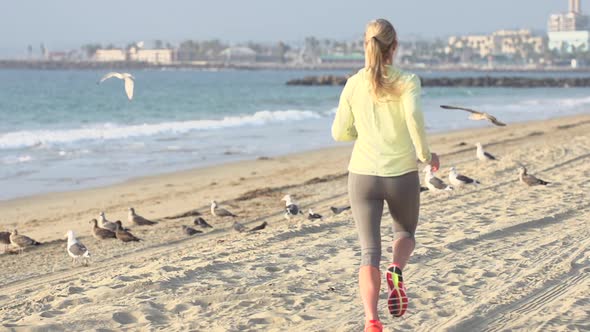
{"x":59,"y":130}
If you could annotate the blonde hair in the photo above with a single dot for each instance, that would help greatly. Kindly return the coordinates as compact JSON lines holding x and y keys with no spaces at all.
{"x":380,"y":43}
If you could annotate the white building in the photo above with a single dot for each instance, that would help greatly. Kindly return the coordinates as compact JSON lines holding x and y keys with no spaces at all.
{"x":155,"y":56}
{"x":110,"y":55}
{"x":569,"y":31}
{"x":504,"y":42}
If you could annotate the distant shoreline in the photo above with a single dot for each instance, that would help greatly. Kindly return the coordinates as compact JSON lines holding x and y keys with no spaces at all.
{"x":217,"y":65}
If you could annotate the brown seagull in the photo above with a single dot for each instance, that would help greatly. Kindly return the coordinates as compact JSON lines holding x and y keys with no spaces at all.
{"x":475,"y":115}
{"x":101,"y":233}
{"x":528,"y":179}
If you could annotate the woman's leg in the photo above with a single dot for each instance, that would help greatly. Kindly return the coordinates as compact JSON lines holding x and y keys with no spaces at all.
{"x":367,"y":209}
{"x":403,"y":200}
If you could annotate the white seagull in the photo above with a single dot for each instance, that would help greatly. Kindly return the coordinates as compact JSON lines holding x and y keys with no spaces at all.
{"x":459,"y":180}
{"x":76,"y":250}
{"x":291,"y":208}
{"x":433,"y":183}
{"x":476,"y":115}
{"x":128,"y":78}
{"x":482,"y":155}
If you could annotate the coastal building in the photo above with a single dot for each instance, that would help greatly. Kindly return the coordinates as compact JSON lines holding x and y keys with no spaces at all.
{"x":503,"y":42}
{"x":238,"y":54}
{"x":569,"y":32}
{"x":110,"y":55}
{"x":152,"y":56}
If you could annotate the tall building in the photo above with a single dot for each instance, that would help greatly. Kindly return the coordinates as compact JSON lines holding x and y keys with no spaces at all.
{"x":569,"y":32}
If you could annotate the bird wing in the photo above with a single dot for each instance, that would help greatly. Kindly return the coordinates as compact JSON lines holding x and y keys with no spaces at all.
{"x":460,"y":108}
{"x":224,"y":213}
{"x":496,"y":122}
{"x":77,"y":249}
{"x":109,"y":75}
{"x":437,"y":183}
{"x":464,"y":179}
{"x":142,"y":221}
{"x":489,"y":156}
{"x":292,"y":209}
{"x":129,"y":86}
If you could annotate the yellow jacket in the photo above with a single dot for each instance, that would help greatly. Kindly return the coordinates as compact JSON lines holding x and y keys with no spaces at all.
{"x":389,"y":133}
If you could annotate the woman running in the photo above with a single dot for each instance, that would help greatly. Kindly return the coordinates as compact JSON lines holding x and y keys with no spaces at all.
{"x":380,"y":109}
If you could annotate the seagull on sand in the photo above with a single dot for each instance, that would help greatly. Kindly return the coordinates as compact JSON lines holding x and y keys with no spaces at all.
{"x":190,"y":231}
{"x":76,"y":250}
{"x":134,"y":218}
{"x":5,"y":239}
{"x":337,"y":210}
{"x":238,"y":227}
{"x":313,"y":216}
{"x":125,"y":236}
{"x":433,"y":183}
{"x":528,"y":179}
{"x":199,"y":221}
{"x":476,"y":115}
{"x":291,"y":208}
{"x":220,"y":212}
{"x":482,"y":155}
{"x":259,"y":227}
{"x":104,"y":223}
{"x":101,"y":233}
{"x":21,"y":241}
{"x":459,"y":180}
{"x":128,"y":78}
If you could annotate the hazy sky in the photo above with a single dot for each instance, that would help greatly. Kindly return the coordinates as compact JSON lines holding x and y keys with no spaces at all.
{"x":69,"y":23}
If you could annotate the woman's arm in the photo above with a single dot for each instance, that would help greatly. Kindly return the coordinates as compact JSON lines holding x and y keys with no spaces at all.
{"x":415,"y":119}
{"x":343,"y":126}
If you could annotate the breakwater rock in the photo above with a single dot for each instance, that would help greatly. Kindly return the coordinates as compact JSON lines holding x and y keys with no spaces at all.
{"x":478,"y":81}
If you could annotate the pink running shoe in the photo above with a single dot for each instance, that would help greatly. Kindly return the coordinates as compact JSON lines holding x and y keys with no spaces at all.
{"x":397,"y":301}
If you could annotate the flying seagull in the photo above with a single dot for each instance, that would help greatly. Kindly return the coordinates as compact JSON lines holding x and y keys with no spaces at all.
{"x":313,"y":216}
{"x":459,"y":180}
{"x":291,"y":208}
{"x":433,"y":183}
{"x":528,"y":179}
{"x":76,"y":250}
{"x":134,"y":218}
{"x":475,"y":115}
{"x":220,"y":212}
{"x":482,"y":155}
{"x":128,"y":78}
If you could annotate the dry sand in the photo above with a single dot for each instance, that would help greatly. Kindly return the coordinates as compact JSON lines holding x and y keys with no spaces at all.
{"x":502,"y":256}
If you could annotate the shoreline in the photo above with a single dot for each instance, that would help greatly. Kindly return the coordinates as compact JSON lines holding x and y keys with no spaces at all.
{"x":207,"y":168}
{"x":233,"y":171}
{"x":482,"y":252}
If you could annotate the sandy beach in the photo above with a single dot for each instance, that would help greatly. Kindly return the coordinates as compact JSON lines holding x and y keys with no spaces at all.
{"x":501,"y":256}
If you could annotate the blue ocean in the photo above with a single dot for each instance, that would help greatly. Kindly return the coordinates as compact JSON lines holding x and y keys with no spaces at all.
{"x":60,"y":131}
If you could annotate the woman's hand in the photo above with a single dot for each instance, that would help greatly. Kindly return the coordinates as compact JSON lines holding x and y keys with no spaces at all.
{"x":434,"y":162}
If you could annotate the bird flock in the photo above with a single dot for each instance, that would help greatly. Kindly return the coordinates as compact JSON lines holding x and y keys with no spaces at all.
{"x":104,"y":229}
{"x":457,"y":180}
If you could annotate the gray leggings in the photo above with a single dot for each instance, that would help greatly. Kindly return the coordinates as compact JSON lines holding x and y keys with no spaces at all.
{"x":367,"y":193}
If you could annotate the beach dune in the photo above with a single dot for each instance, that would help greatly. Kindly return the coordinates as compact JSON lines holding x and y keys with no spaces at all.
{"x":500,"y":256}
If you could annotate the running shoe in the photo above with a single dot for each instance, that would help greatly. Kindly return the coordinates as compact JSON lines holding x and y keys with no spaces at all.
{"x":397,"y":301}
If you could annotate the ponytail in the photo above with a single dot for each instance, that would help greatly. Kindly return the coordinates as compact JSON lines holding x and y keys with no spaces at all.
{"x":380,"y":39}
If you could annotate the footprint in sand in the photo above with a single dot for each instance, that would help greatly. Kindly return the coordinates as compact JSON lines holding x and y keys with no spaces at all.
{"x":124,"y":318}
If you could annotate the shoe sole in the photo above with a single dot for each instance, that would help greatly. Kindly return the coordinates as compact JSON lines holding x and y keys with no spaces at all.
{"x":397,"y":301}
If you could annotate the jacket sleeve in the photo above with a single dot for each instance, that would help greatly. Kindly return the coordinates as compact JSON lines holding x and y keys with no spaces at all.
{"x":343,"y":128}
{"x":415,"y":118}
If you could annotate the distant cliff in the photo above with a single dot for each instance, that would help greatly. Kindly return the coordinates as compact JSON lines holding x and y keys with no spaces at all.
{"x":480,"y":81}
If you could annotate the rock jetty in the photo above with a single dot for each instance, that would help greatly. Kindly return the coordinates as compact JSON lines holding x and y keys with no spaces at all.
{"x":478,"y":81}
